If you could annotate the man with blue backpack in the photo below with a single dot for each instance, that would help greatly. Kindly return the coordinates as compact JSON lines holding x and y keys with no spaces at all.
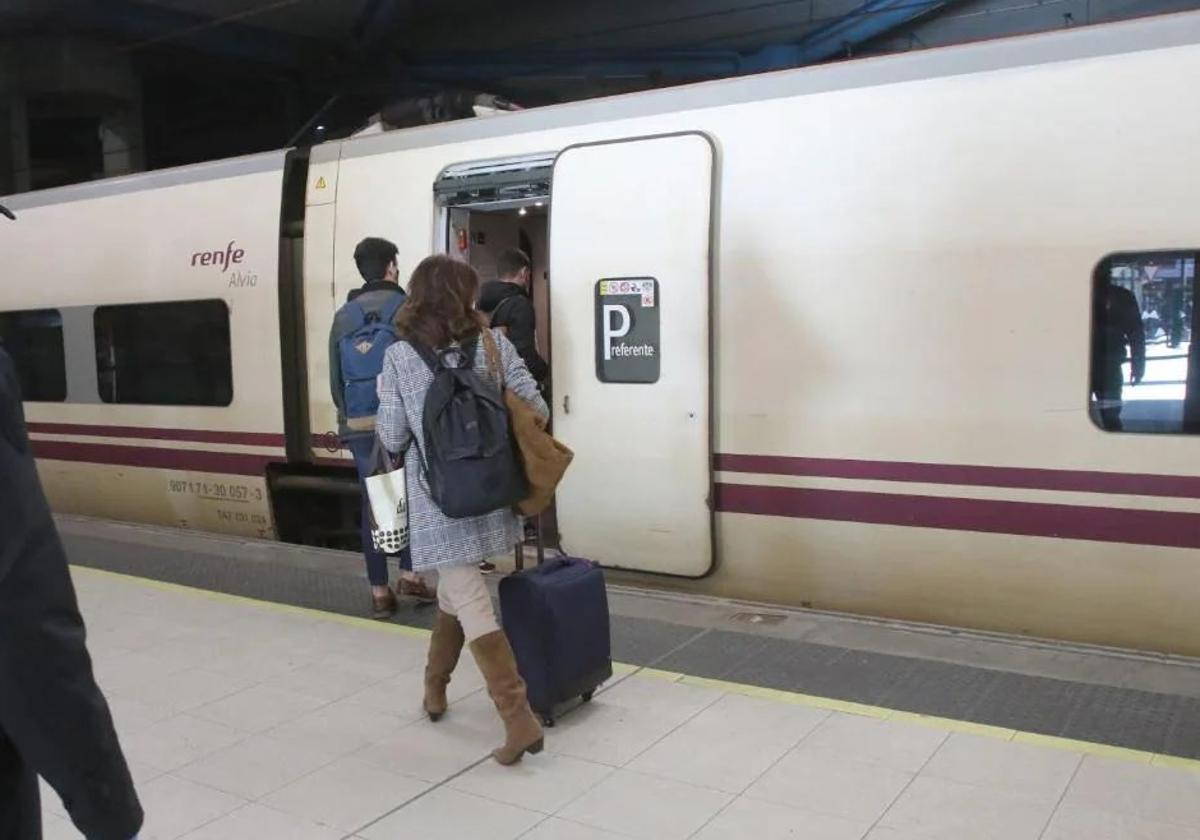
{"x":363,"y":329}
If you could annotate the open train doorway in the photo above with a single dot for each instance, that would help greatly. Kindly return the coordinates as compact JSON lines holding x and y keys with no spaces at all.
{"x":490,"y":207}
{"x":487,"y":208}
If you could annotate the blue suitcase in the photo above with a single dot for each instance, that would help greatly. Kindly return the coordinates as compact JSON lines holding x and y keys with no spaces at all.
{"x":556,"y":618}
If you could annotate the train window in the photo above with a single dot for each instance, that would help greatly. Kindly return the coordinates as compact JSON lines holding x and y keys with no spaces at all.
{"x":1145,"y":374}
{"x":174,"y":353}
{"x":34,"y":340}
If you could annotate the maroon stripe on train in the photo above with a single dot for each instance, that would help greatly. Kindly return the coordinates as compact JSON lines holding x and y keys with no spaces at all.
{"x":1140,"y":527}
{"x":326,"y":442}
{"x":1134,"y":484}
{"x":232,"y":463}
{"x":189,"y":435}
{"x":1027,"y":519}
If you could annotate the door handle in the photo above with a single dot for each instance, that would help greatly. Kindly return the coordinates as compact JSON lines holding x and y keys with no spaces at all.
{"x":566,"y":404}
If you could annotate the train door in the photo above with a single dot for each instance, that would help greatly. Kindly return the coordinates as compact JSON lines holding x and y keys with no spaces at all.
{"x":631,"y":340}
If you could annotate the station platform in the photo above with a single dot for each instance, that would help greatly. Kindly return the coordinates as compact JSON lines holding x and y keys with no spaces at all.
{"x":252,"y":703}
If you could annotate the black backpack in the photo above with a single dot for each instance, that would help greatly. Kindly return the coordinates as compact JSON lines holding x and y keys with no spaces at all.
{"x":470,"y":461}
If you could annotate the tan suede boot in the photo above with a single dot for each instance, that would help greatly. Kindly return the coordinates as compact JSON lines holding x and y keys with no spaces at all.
{"x":522,"y":732}
{"x":445,"y":645}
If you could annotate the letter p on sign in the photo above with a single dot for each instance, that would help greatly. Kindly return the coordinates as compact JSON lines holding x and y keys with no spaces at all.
{"x":611,"y":330}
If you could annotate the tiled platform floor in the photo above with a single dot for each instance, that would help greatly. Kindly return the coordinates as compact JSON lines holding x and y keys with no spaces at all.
{"x":1136,"y":700}
{"x":245,"y":720}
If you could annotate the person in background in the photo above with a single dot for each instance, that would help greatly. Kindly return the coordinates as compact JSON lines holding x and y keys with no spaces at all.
{"x":1173,"y":314}
{"x":508,"y":305}
{"x":1120,"y":337}
{"x":362,"y":331}
{"x":54,"y":722}
{"x":440,"y":313}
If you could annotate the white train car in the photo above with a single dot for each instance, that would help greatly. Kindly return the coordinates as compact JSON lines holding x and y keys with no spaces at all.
{"x":144,"y":316}
{"x":820,"y":337}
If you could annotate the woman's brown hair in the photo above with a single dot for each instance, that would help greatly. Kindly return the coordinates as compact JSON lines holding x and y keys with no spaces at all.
{"x":440,"y":308}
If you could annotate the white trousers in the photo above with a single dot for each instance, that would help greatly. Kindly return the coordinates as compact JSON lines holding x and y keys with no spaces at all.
{"x":462,"y":593}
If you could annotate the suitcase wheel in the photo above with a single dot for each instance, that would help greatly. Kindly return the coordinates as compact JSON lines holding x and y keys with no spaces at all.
{"x":587,"y":696}
{"x":548,"y":721}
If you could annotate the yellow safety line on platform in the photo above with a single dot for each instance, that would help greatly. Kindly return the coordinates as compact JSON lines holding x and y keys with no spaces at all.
{"x":1089,"y":747}
{"x":778,"y":695}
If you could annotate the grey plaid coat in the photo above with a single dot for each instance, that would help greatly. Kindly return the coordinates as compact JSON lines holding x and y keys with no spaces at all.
{"x":436,"y":539}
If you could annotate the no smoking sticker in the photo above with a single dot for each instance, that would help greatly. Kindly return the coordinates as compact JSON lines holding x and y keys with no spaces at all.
{"x":643,"y":288}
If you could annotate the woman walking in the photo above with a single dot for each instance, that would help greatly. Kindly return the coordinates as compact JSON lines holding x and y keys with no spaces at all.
{"x":440,"y":314}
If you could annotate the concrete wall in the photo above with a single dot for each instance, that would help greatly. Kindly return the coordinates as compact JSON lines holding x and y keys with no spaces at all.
{"x":51,"y":81}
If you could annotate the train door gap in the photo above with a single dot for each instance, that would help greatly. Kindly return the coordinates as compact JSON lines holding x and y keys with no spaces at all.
{"x":489,"y":207}
{"x":311,"y":503}
{"x":291,"y":307}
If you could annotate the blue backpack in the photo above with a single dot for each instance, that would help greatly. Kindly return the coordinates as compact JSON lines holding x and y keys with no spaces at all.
{"x":361,"y":351}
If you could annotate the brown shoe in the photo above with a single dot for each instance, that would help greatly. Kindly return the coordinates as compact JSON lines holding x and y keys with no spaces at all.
{"x":418,"y":589}
{"x":445,"y":645}
{"x":383,"y":606}
{"x":522,"y":732}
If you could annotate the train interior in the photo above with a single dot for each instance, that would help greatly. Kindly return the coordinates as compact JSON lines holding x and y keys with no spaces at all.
{"x":479,"y":235}
{"x":491,"y":207}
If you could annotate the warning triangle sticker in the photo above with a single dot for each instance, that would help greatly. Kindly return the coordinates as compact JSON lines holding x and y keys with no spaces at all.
{"x":321,"y":183}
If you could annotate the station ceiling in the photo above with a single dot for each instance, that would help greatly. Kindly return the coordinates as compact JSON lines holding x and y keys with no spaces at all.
{"x":229,"y":76}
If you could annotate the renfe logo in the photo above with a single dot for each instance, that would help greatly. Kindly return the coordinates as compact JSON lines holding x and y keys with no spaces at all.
{"x":222,"y":258}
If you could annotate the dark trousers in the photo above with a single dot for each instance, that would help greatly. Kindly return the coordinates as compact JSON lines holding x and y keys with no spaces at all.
{"x":377,"y":572}
{"x":20,"y":805}
{"x":1107,"y":388}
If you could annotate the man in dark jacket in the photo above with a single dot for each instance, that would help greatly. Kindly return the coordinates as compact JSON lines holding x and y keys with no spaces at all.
{"x":506,"y":301}
{"x":54,"y":721}
{"x":1119,"y":337}
{"x":377,"y":300}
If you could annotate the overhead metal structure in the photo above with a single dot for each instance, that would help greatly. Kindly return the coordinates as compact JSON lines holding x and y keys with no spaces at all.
{"x":835,"y":39}
{"x":146,"y":24}
{"x":841,"y":37}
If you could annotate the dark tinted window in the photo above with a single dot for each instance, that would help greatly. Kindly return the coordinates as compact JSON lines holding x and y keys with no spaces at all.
{"x":1145,"y":376}
{"x":34,"y":339}
{"x":164,"y":353}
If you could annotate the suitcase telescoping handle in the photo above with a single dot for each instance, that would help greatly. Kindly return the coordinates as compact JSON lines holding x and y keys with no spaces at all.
{"x":519,"y":556}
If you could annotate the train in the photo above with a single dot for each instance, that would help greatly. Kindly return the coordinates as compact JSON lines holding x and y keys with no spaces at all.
{"x":819,"y":338}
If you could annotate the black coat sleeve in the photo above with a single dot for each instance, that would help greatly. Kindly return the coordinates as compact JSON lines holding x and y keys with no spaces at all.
{"x":516,"y":313}
{"x":50,"y":706}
